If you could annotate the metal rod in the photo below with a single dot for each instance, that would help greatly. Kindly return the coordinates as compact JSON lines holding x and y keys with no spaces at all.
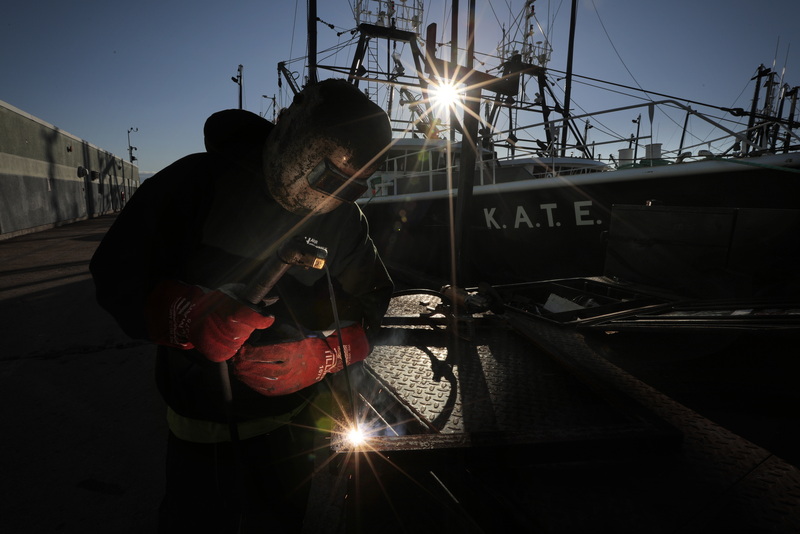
{"x":383,"y":420}
{"x":345,"y":368}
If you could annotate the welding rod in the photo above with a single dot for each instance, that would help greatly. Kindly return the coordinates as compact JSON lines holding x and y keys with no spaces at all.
{"x":345,"y":367}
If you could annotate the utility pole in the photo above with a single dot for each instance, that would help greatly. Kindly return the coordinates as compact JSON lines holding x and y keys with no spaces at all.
{"x":131,"y":157}
{"x":238,"y":81}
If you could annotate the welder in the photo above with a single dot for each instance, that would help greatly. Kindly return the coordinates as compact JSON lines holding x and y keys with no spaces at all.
{"x":172,"y":269}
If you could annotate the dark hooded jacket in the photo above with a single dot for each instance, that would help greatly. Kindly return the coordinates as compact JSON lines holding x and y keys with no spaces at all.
{"x":208,"y":220}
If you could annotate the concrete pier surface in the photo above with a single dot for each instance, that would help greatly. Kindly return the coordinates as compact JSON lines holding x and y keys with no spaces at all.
{"x":84,"y":433}
{"x":84,"y":429}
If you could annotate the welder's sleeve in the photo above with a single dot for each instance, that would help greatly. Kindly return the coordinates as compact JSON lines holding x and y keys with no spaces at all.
{"x":365,"y":284}
{"x":149,"y":240}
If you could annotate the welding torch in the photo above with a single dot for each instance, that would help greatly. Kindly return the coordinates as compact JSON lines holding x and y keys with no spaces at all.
{"x":303,"y":252}
{"x":306,"y":253}
{"x":298,"y":251}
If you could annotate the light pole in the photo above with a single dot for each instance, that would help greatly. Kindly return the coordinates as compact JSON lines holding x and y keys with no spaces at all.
{"x":131,"y":157}
{"x":238,"y":81}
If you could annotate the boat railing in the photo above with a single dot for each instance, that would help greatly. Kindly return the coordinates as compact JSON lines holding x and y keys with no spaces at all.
{"x":434,"y":168}
{"x":425,"y":170}
{"x":391,"y":180}
{"x":757,"y":139}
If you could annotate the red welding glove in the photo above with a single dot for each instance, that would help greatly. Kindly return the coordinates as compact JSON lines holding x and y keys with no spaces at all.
{"x":284,"y":368}
{"x":188,"y":317}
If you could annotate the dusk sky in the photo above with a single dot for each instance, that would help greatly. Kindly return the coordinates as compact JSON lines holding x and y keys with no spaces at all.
{"x":96,"y":68}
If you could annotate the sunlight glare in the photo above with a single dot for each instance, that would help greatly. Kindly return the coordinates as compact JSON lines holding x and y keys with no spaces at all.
{"x":445,"y":96}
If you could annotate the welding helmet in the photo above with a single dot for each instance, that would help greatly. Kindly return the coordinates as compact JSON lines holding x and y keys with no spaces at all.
{"x":324,"y":147}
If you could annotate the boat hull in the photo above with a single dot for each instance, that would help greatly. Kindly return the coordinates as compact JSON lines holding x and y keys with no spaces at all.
{"x":558,"y":227}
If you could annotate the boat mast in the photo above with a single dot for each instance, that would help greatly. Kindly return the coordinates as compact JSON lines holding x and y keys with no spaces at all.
{"x":791,"y":93}
{"x":469,"y":139}
{"x":752,"y":136}
{"x":312,"y":41}
{"x":779,"y":116}
{"x":568,"y":86}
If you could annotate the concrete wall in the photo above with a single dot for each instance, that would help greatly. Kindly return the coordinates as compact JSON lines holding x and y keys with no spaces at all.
{"x":49,"y":177}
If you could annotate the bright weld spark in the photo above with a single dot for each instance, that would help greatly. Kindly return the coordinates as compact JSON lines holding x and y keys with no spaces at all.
{"x":355,"y":437}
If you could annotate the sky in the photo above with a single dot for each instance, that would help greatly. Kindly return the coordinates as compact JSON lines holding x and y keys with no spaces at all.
{"x":99,"y":68}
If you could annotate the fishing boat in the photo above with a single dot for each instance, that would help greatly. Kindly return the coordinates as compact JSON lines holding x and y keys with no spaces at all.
{"x":532,"y":210}
{"x":508,"y":184}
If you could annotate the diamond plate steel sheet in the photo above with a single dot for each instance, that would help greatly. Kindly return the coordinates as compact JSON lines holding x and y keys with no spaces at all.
{"x":494,"y":382}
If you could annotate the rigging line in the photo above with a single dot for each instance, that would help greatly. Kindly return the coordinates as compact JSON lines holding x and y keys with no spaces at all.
{"x":775,"y":56}
{"x":783,"y":70}
{"x":601,"y":125}
{"x":615,"y":91}
{"x":325,"y":54}
{"x":445,"y":19}
{"x":512,"y":23}
{"x":496,"y":18}
{"x":552,"y":20}
{"x":786,"y":59}
{"x":294,"y":26}
{"x":515,"y":25}
{"x":688,"y":101}
{"x":512,"y":33}
{"x":781,"y":83}
{"x":746,"y":85}
{"x":334,"y":50}
{"x":722,"y":118}
{"x":614,"y":47}
{"x":633,"y":96}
